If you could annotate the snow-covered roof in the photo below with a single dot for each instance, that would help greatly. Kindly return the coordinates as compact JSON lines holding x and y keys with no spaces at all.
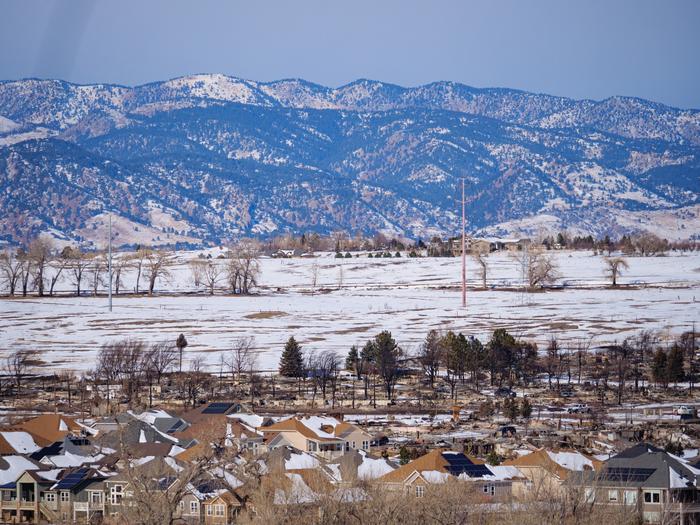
{"x":315,"y":424}
{"x":16,"y":466}
{"x":372,"y":468}
{"x":300,"y":460}
{"x":570,"y":460}
{"x":434,"y":476}
{"x":21,"y":442}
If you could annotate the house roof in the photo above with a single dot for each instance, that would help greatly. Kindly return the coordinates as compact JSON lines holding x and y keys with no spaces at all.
{"x":645,"y":465}
{"x":215,"y":410}
{"x":559,"y":463}
{"x":17,"y":442}
{"x":49,"y":428}
{"x":318,"y":428}
{"x":444,"y":462}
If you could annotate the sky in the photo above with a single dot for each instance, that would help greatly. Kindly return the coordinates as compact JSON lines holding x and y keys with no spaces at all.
{"x":580,"y":49}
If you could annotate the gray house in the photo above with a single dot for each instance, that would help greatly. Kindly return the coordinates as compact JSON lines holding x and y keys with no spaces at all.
{"x":659,"y":486}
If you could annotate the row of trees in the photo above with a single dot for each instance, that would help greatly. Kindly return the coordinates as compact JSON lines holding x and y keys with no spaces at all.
{"x":40,"y":267}
{"x":379,"y":362}
{"x":240,"y":270}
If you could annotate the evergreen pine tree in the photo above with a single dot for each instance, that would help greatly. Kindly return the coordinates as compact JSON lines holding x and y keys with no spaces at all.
{"x":351,"y":359}
{"x":526,"y":408}
{"x":510,"y":409}
{"x":674,"y":365}
{"x":659,"y":368}
{"x":404,"y":456}
{"x":292,"y":361}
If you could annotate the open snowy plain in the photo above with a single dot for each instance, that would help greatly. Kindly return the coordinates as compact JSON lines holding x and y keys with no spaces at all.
{"x":356,"y":298}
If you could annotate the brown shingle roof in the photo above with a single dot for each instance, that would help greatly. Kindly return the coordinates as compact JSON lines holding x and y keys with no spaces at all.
{"x":540,"y":458}
{"x":433,"y":460}
{"x":46,"y":429}
{"x":293,"y":425}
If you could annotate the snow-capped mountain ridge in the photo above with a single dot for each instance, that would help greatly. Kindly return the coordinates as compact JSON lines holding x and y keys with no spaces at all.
{"x":222,"y":157}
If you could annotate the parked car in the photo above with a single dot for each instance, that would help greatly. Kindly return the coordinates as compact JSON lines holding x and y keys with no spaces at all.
{"x":685,"y":410}
{"x":567,"y":393}
{"x":579,"y":408}
{"x":504,"y":391}
{"x":508,"y":431}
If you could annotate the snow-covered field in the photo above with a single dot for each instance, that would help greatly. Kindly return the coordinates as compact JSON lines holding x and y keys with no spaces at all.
{"x":355,"y":299}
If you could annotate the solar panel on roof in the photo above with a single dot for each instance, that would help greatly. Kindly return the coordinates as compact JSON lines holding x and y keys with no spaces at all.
{"x":72,"y":479}
{"x":627,"y":474}
{"x":461,"y":464}
{"x":217,"y":408}
{"x":474,"y":471}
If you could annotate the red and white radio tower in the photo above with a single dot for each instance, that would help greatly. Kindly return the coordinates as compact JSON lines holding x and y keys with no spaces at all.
{"x":464,"y":251}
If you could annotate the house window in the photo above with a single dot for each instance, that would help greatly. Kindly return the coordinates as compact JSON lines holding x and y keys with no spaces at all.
{"x":652,"y":496}
{"x":311,"y":446}
{"x":630,"y":497}
{"x":365,"y":445}
{"x":65,"y":496}
{"x":490,"y":490}
{"x":420,"y":491}
{"x":96,"y":497}
{"x":354,"y":445}
{"x":589,"y":495}
{"x":194,"y":507}
{"x":219,"y":510}
{"x":50,"y":497}
{"x":613,"y":496}
{"x":210,"y":510}
{"x":116,"y":493}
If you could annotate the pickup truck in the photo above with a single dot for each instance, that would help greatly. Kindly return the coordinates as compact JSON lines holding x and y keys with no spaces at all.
{"x":579,"y":409}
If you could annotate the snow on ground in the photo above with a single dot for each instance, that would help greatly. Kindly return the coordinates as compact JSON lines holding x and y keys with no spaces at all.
{"x":355,"y":299}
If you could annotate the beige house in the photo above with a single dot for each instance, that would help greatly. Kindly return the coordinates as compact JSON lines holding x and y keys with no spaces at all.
{"x":484,"y":482}
{"x":321,"y":435}
{"x":547,"y":470}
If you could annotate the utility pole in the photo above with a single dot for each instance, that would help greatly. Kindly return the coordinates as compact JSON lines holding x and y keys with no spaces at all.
{"x":109,"y":261}
{"x":464,"y":251}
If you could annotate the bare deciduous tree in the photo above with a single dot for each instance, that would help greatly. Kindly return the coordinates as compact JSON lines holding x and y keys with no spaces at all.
{"x":157,"y":267}
{"x":480,"y":258}
{"x":314,"y":270}
{"x":614,"y":268}
{"x":78,"y":264}
{"x":97,"y":268}
{"x":206,"y":272}
{"x":10,"y":270}
{"x":16,"y":367}
{"x":538,"y":268}
{"x":40,"y":250}
{"x":120,"y":264}
{"x":241,"y":356}
{"x":194,"y":380}
{"x":243,"y":268}
{"x":138,"y":260}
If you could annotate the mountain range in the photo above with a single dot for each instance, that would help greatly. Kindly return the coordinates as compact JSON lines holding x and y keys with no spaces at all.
{"x":209,"y":158}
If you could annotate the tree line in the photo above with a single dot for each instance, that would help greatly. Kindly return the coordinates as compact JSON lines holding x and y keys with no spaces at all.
{"x":38,"y":268}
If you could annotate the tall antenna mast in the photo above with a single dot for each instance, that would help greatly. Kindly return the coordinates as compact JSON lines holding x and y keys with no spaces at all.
{"x":464,"y":251}
{"x":109,"y":261}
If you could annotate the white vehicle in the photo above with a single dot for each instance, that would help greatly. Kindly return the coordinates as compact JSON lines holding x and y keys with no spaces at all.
{"x":685,"y":410}
{"x":579,"y":408}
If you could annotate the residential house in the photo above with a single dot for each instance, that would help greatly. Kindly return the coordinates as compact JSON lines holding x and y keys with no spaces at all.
{"x":646,"y":480}
{"x":50,"y":428}
{"x":547,"y":470}
{"x":488,"y":483}
{"x":210,"y":502}
{"x":325,"y":436}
